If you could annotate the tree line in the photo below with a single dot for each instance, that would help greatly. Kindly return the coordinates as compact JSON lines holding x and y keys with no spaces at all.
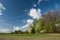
{"x":49,"y":23}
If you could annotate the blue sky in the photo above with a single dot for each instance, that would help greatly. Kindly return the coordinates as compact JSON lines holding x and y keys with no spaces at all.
{"x":18,"y":13}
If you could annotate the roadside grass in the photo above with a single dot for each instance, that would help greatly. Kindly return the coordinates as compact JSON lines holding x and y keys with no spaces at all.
{"x":30,"y":36}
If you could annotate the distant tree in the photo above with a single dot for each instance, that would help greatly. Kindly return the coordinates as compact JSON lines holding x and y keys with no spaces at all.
{"x":58,"y":21}
{"x":17,"y":32}
{"x":34,"y":26}
{"x":50,"y":19}
{"x":33,"y":30}
{"x":26,"y":32}
{"x":37,"y":26}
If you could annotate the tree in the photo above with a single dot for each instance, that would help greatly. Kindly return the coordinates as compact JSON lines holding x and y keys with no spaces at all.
{"x":33,"y":30}
{"x":50,"y":20}
{"x":38,"y":27}
{"x":17,"y":32}
{"x":30,"y":29}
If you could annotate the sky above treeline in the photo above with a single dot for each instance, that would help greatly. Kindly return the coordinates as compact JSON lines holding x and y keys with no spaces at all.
{"x":19,"y":14}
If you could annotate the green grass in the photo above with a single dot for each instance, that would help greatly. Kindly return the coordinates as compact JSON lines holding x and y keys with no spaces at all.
{"x":29,"y":36}
{"x":21,"y":34}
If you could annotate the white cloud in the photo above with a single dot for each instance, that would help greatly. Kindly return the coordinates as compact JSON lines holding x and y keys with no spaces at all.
{"x":39,"y":1}
{"x":0,"y":13}
{"x":4,"y":30}
{"x":24,"y":27}
{"x":30,"y":21}
{"x":16,"y":28}
{"x":34,"y":5}
{"x":35,"y":13}
{"x":1,"y":8}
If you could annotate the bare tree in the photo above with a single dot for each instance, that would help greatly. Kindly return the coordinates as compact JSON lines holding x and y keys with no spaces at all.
{"x":50,"y":19}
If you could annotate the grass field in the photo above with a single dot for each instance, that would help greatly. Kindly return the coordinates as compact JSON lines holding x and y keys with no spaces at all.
{"x":29,"y":36}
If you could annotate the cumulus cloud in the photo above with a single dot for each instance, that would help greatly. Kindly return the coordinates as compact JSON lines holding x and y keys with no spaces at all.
{"x":35,"y":13}
{"x":4,"y":30}
{"x":24,"y":27}
{"x":28,"y":23}
{"x":1,"y":8}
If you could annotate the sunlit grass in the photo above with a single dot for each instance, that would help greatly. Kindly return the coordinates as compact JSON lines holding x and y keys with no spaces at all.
{"x":30,"y":36}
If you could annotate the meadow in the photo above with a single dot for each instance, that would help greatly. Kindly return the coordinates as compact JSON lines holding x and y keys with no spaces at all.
{"x":30,"y":36}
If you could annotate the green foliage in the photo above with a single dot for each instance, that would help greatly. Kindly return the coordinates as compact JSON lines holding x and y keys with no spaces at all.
{"x":33,"y":30}
{"x":58,"y":21}
{"x":17,"y":32}
{"x":38,"y":26}
{"x":50,"y":27}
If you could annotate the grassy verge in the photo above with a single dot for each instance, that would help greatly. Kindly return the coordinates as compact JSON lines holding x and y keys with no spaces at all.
{"x":30,"y":36}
